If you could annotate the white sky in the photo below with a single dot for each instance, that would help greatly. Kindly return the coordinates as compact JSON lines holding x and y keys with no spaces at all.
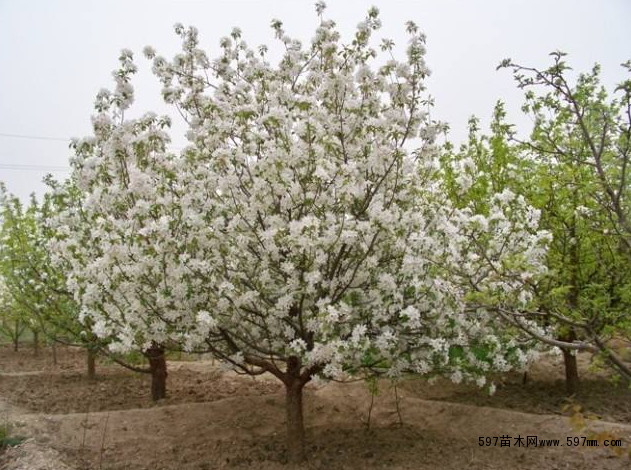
{"x":55,"y":56}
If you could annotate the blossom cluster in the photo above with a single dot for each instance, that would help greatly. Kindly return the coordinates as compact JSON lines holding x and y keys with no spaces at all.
{"x":306,"y":219}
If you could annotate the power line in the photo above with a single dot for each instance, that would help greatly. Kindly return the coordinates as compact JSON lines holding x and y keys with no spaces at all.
{"x":58,"y":139}
{"x":51,"y":168}
{"x":35,"y":137}
{"x":16,"y":166}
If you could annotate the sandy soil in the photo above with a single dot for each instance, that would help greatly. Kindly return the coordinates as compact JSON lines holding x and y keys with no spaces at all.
{"x":225,"y":421}
{"x":32,"y":455}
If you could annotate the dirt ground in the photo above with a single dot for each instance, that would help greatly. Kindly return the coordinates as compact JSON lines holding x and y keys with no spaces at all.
{"x":64,"y":388}
{"x":214,"y":419}
{"x":542,"y":393}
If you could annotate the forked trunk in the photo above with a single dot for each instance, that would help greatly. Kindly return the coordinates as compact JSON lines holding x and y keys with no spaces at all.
{"x":295,"y":421}
{"x":91,"y":362}
{"x":158,"y":368}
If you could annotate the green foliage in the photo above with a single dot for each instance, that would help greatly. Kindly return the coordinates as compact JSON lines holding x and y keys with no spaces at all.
{"x":33,"y":291}
{"x":580,"y":143}
{"x":7,"y":439}
{"x":573,"y":170}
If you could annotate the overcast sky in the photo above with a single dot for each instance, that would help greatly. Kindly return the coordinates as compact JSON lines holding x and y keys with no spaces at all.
{"x":55,"y":56}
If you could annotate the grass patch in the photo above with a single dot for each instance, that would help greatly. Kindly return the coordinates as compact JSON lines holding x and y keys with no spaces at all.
{"x":7,"y":439}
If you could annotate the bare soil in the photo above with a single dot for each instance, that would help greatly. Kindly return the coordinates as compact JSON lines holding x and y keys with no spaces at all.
{"x":214,"y":420}
{"x":117,"y":389}
{"x":64,"y":388}
{"x":543,"y":392}
{"x":25,"y":360}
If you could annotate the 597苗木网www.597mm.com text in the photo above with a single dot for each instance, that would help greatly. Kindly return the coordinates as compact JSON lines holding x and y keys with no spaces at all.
{"x":534,"y":441}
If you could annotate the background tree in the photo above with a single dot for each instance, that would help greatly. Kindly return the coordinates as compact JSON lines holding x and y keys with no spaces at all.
{"x":32,"y":282}
{"x":17,"y":230}
{"x":588,"y":132}
{"x":13,"y":320}
{"x":584,"y":298}
{"x":119,"y":233}
{"x":582,"y":260}
{"x":35,"y":290}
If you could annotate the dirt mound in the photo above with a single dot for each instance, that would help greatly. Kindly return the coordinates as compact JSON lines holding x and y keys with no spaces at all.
{"x":217,"y":420}
{"x":248,"y":432}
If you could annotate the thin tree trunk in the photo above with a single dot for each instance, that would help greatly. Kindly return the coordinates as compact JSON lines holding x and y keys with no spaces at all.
{"x":571,"y":372}
{"x":158,"y":367}
{"x":91,"y":363}
{"x":53,"y":347}
{"x":16,"y":343}
{"x":572,"y":381}
{"x":35,"y":343}
{"x":569,"y":359}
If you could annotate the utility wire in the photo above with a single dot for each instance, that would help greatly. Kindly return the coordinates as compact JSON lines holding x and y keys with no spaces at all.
{"x":59,"y":139}
{"x":16,"y":166}
{"x":35,"y":137}
{"x":21,"y":167}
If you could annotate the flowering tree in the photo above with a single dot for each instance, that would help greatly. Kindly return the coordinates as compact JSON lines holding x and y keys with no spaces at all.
{"x":305,"y":231}
{"x":117,"y":233}
{"x":35,"y":288}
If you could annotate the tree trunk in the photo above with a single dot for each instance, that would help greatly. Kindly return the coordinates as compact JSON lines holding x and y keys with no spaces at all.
{"x":569,"y":359}
{"x":158,"y":367}
{"x":16,"y":343}
{"x":571,"y":372}
{"x":91,"y":362}
{"x":53,"y":347}
{"x":571,"y":367}
{"x":294,"y":383}
{"x":295,"y":421}
{"x":35,"y":343}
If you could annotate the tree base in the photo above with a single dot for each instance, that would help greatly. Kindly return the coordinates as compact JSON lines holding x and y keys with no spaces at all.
{"x":158,"y":369}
